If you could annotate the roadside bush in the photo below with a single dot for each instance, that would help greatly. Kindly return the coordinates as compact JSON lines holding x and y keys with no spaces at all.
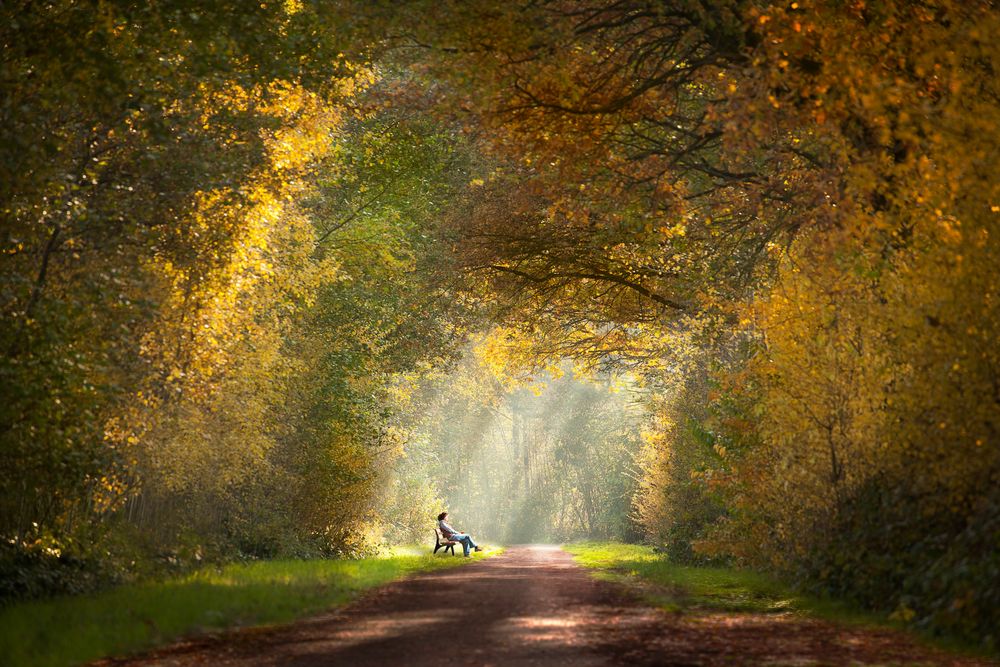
{"x":683,"y":452}
{"x":939,"y":571}
{"x":36,"y":571}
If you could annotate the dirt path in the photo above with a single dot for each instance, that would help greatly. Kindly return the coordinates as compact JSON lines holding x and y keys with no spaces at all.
{"x":534,"y":606}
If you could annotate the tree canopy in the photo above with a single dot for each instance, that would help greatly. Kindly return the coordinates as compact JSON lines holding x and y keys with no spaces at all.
{"x":290,"y":278}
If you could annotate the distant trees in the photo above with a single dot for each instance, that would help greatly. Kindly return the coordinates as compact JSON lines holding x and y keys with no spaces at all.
{"x":521,"y":460}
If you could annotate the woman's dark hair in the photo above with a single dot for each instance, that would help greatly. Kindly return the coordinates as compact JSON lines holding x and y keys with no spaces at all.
{"x":442,"y":515}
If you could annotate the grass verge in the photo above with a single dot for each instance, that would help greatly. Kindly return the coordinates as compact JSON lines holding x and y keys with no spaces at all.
{"x":702,"y":589}
{"x":687,"y":588}
{"x":77,"y":629}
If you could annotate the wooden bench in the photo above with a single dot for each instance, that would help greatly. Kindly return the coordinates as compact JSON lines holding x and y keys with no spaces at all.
{"x":442,"y":542}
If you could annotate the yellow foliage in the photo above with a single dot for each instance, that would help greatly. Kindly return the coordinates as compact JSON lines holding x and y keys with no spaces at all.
{"x":879,"y":362}
{"x":215,"y":348}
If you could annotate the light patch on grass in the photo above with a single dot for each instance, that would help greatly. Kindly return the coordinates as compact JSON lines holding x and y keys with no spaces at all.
{"x":73,"y":630}
{"x":686,"y":589}
{"x":680,"y":587}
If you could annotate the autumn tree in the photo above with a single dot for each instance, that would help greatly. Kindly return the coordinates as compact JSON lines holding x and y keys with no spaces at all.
{"x":241,"y":243}
{"x":119,"y":156}
{"x":812,"y":177}
{"x":195,"y":211}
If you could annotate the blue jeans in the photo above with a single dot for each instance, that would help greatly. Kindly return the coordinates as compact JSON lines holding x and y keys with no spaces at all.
{"x":466,"y":540}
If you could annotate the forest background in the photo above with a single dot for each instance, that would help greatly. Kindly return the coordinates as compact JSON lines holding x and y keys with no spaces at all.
{"x":286,"y":279}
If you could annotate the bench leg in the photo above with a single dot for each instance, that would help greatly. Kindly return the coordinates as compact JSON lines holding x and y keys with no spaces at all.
{"x":436,"y":547}
{"x":452,"y":547}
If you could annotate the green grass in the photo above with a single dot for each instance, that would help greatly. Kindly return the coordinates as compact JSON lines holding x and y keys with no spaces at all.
{"x":688,"y":589}
{"x":72,"y":630}
{"x":685,"y":588}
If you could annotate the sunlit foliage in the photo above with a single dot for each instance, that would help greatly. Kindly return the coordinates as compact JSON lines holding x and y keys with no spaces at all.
{"x":217,"y":248}
{"x":877,"y":377}
{"x":300,"y":260}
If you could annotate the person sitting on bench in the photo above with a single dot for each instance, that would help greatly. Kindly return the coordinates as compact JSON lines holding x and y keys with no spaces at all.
{"x":452,"y":534}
